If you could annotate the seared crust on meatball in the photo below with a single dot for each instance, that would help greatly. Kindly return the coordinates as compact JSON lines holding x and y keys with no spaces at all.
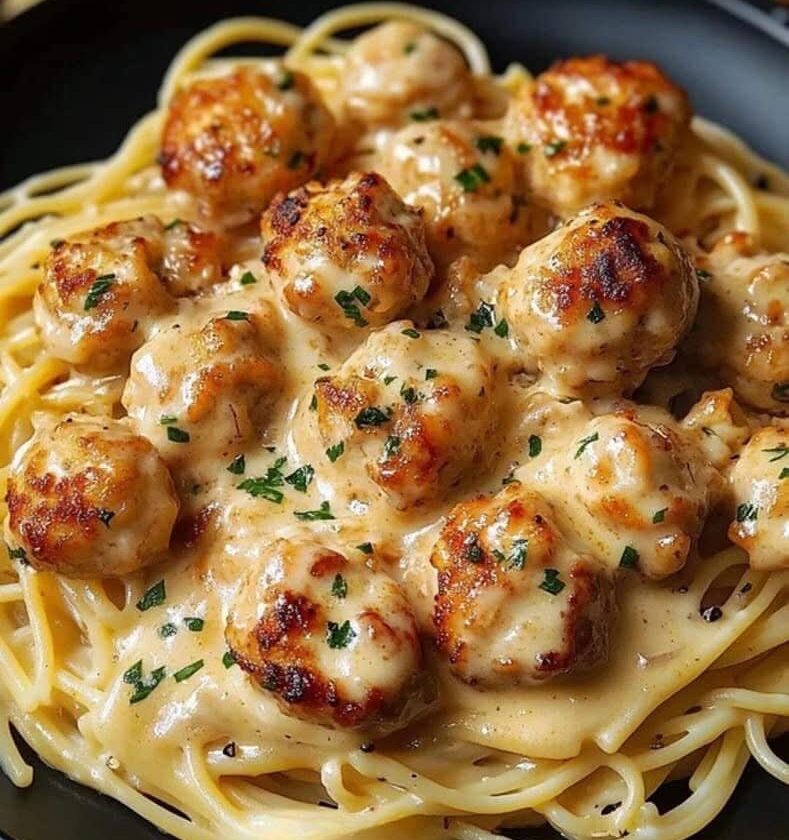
{"x":742,"y":332}
{"x":205,"y":390}
{"x":515,"y":603}
{"x":333,"y":640}
{"x":592,"y":129}
{"x":760,"y":485}
{"x":234,"y":141}
{"x":88,"y":498}
{"x":399,"y":70}
{"x":465,"y":181}
{"x":348,"y":254}
{"x":600,"y":301}
{"x":414,"y":409}
{"x":193,"y":258}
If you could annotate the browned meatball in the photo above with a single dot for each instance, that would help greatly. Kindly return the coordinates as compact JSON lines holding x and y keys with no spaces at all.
{"x":348,"y":254}
{"x":233,"y":141}
{"x":515,"y":603}
{"x":592,"y":129}
{"x":89,"y":498}
{"x":333,"y":640}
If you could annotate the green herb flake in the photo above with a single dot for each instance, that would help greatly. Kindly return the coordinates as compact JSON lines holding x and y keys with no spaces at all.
{"x":339,"y":635}
{"x":144,"y":687}
{"x":472,"y":178}
{"x":388,"y":380}
{"x":301,"y":478}
{"x":409,"y":48}
{"x":323,"y":513}
{"x":409,"y":394}
{"x":391,"y":445}
{"x":425,"y":114}
{"x":106,"y":517}
{"x":247,"y":279}
{"x":584,"y":442}
{"x":370,"y":417}
{"x":365,"y":548}
{"x":167,"y":630}
{"x":502,"y":329}
{"x":489,"y":143}
{"x":314,"y":403}
{"x":176,"y":435}
{"x":154,"y":597}
{"x":784,"y":473}
{"x":554,"y":148}
{"x":101,"y":285}
{"x":167,"y":419}
{"x":659,"y":516}
{"x":518,"y":554}
{"x":629,"y":558}
{"x":188,"y":671}
{"x":747,"y":512}
{"x":552,"y":583}
{"x":238,"y":465}
{"x":535,"y":446}
{"x":523,"y":148}
{"x":17,"y":554}
{"x":777,"y":452}
{"x":703,"y":275}
{"x":286,"y":80}
{"x":173,"y":224}
{"x":339,"y":586}
{"x":482,"y":317}
{"x":237,"y":315}
{"x":323,"y":366}
{"x":194,"y":625}
{"x":410,"y":333}
{"x":334,"y":452}
{"x":595,"y":314}
{"x":134,"y":674}
{"x":228,"y":660}
{"x":431,"y":373}
{"x":347,"y":301}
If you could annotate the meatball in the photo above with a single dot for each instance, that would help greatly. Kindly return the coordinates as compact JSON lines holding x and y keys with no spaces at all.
{"x":637,"y":491}
{"x":466,"y":182}
{"x":401,"y":71}
{"x":720,"y":426}
{"x":592,"y":129}
{"x":193,"y":259}
{"x":88,"y":498}
{"x":515,"y":603}
{"x":415,"y":409}
{"x":349,"y":254}
{"x":234,"y":141}
{"x":99,"y":292}
{"x":743,"y":328}
{"x":600,"y":301}
{"x":760,"y":483}
{"x":335,"y":641}
{"x":204,"y":390}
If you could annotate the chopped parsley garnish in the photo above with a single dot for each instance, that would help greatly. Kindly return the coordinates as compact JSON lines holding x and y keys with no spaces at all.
{"x":472,"y":550}
{"x":347,"y":301}
{"x":370,"y":417}
{"x":409,"y":48}
{"x":411,"y":333}
{"x":651,"y":104}
{"x":106,"y":516}
{"x":629,"y":558}
{"x":489,"y":143}
{"x":659,"y":516}
{"x":554,"y":148}
{"x":195,"y":625}
{"x":473,"y":177}
{"x":584,"y":442}
{"x":339,"y":586}
{"x":747,"y":512}
{"x":295,"y":160}
{"x":228,"y":660}
{"x":265,"y":486}
{"x":339,"y":635}
{"x":517,"y":556}
{"x":391,"y":446}
{"x":301,"y":478}
{"x":409,"y":394}
{"x":188,"y":671}
{"x":334,"y":452}
{"x":365,"y":548}
{"x":323,"y":513}
{"x":431,"y":373}
{"x":784,"y":473}
{"x":703,"y":275}
{"x":177,"y":435}
{"x":247,"y":279}
{"x":56,"y":243}
{"x":143,"y":687}
{"x":154,"y":597}
{"x":482,"y":317}
{"x":535,"y":446}
{"x":17,"y":554}
{"x":238,"y":465}
{"x":237,"y":315}
{"x":314,"y":403}
{"x":173,"y":224}
{"x":167,"y":419}
{"x":134,"y":674}
{"x":388,"y":380}
{"x":502,"y":329}
{"x":522,"y":148}
{"x":323,"y":366}
{"x":777,"y":452}
{"x":425,"y":115}
{"x":552,"y":583}
{"x":595,"y":314}
{"x":101,"y":285}
{"x":286,"y":81}
{"x":167,"y":630}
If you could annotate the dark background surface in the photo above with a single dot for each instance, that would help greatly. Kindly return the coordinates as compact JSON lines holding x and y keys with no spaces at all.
{"x":75,"y":74}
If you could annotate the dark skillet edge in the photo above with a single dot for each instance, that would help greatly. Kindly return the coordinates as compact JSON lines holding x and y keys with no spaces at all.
{"x":758,"y":796}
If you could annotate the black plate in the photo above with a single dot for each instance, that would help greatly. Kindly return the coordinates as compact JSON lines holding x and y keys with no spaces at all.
{"x":76,"y":74}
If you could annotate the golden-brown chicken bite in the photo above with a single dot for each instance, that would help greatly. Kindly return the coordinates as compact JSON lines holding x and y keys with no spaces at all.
{"x":234,"y":141}
{"x":400,"y":71}
{"x":720,"y":426}
{"x":600,"y":301}
{"x":348,"y":254}
{"x":415,"y":409}
{"x":634,"y":487}
{"x":742,"y":333}
{"x":193,"y":259}
{"x":204,"y":389}
{"x":592,"y":129}
{"x":515,"y":603}
{"x":464,"y":179}
{"x":334,"y":640}
{"x":88,"y":498}
{"x":760,"y":485}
